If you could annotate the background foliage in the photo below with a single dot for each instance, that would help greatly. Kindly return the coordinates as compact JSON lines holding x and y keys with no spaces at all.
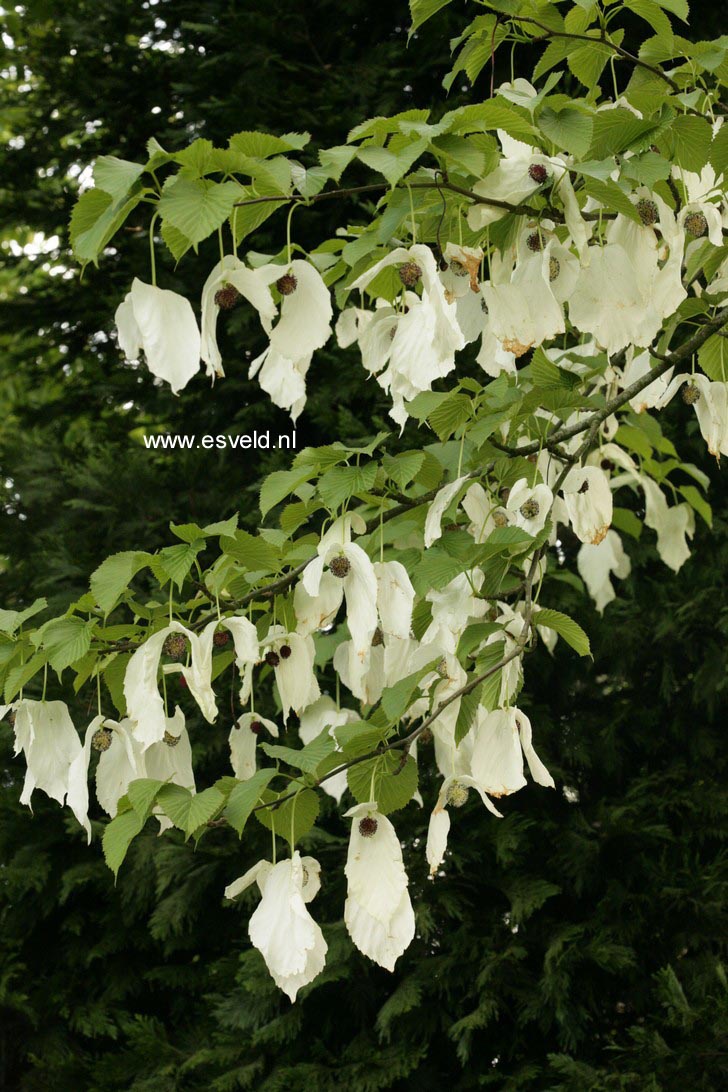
{"x":576,"y":945}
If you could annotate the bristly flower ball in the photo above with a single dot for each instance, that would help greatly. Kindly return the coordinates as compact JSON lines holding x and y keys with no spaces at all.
{"x":287,"y":284}
{"x":554,"y":268}
{"x":227,"y":297}
{"x":256,"y":727}
{"x":648,"y":211}
{"x":690,"y":394}
{"x":284,"y":651}
{"x":272,"y":658}
{"x":409,"y":274}
{"x":457,"y":794}
{"x":221,"y":639}
{"x":530,"y":508}
{"x":368,"y":826}
{"x":170,"y":739}
{"x":696,"y":224}
{"x":175,"y":646}
{"x":340,"y":566}
{"x":534,"y":241}
{"x":538,"y":173}
{"x":101,"y":740}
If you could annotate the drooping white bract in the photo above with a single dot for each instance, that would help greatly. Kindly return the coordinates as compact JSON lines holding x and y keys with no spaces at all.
{"x":324,"y":716}
{"x":353,"y":570}
{"x":596,"y":564}
{"x":484,"y":513}
{"x":171,"y":758}
{"x":230,"y":271}
{"x":639,"y":365}
{"x":588,"y":499}
{"x":303,"y":326}
{"x":453,"y":792}
{"x":512,"y":181}
{"x":281,"y":928}
{"x":436,"y":511}
{"x":674,"y":524}
{"x":623,"y":295}
{"x":120,"y":764}
{"x":701,"y":189}
{"x":144,"y":703}
{"x":395,"y":598}
{"x":242,"y":742}
{"x":294,"y":674}
{"x":502,"y":739}
{"x":162,"y":324}
{"x":44,"y":732}
{"x":462,"y":275}
{"x":710,"y":402}
{"x":78,"y":796}
{"x":378,"y":912}
{"x":453,"y":608}
{"x":530,"y":506}
{"x":198,"y":674}
{"x":523,"y":310}
{"x":426,"y":337}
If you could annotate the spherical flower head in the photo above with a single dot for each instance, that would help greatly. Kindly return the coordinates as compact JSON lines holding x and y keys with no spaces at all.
{"x":256,"y":727}
{"x":648,"y":211}
{"x":101,"y":740}
{"x":284,"y":652}
{"x":696,"y":224}
{"x":538,"y":173}
{"x":690,"y":394}
{"x":409,"y":274}
{"x":368,"y":826}
{"x":272,"y":658}
{"x":457,"y":794}
{"x":554,"y":269}
{"x":227,"y":297}
{"x":530,"y":508}
{"x":500,"y":518}
{"x":175,"y":646}
{"x":534,"y":241}
{"x":221,"y":639}
{"x":458,"y":268}
{"x":170,"y":739}
{"x":340,"y":566}
{"x":287,"y":284}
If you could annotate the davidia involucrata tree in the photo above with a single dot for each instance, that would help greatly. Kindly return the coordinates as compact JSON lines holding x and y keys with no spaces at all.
{"x":530,"y":279}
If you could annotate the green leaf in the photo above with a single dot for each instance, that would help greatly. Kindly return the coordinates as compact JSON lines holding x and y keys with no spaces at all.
{"x":253,"y":552}
{"x":95,"y":218}
{"x":566,"y":627}
{"x":342,"y":482}
{"x":114,"y":575}
{"x":623,"y":519}
{"x":677,"y":7}
{"x":697,"y":501}
{"x":587,"y":63}
{"x":281,"y":484}
{"x":384,"y":779}
{"x":12,"y":620}
{"x":397,"y":699}
{"x":466,"y":715}
{"x":21,"y":674}
{"x":293,"y":818}
{"x":197,"y":207}
{"x":422,"y":10}
{"x":188,"y":810}
{"x":404,"y":467}
{"x":569,"y":129}
{"x":615,"y":131}
{"x":118,"y":837}
{"x":175,"y":562}
{"x":142,"y":794}
{"x":393,"y":166}
{"x":307,"y":758}
{"x":612,"y":197}
{"x":713,"y":358}
{"x":245,"y":796}
{"x":66,"y":640}
{"x":116,"y":176}
{"x":719,"y":150}
{"x":113,"y":675}
{"x":690,"y":138}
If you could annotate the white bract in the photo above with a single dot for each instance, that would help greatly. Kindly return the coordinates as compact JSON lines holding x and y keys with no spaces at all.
{"x":281,"y":928}
{"x":162,"y":325}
